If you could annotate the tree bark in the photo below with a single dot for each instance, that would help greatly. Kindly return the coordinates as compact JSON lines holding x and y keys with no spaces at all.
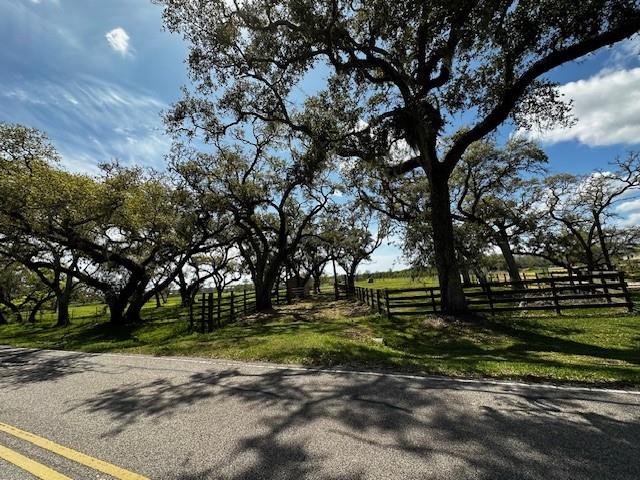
{"x":63,"y":299}
{"x":36,"y":308}
{"x":264,"y":282}
{"x":603,"y":242}
{"x":63,"y":311}
{"x":116,"y":308}
{"x":316,"y":282}
{"x":509,"y":258}
{"x":451,"y":293}
{"x":263,"y":297}
{"x":134,"y":309}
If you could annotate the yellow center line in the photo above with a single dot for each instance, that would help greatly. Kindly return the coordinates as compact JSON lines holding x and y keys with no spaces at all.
{"x":78,"y":457}
{"x":30,"y":466}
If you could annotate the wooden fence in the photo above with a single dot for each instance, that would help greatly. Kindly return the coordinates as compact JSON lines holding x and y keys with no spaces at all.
{"x":600,"y":290}
{"x":210,"y":311}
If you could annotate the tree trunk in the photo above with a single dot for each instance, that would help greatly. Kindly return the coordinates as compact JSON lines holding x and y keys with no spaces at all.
{"x":158,"y":301}
{"x":185,"y":296}
{"x":466,"y":276}
{"x":509,"y":258}
{"x":63,"y":311}
{"x":36,"y":308}
{"x":62,"y":302}
{"x":264,"y":282}
{"x":116,"y":308}
{"x":451,"y":293}
{"x":134,"y":309}
{"x":16,"y":311}
{"x":316,"y":282}
{"x":603,"y":242}
{"x":263,"y":298}
{"x":3,"y":319}
{"x":350,"y":279}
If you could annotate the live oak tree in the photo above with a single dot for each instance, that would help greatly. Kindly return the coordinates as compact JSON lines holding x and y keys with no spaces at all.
{"x":410,"y":69}
{"x":582,"y":209}
{"x":271,"y":190}
{"x":54,"y":266}
{"x":20,"y":290}
{"x":493,"y":188}
{"x":23,"y":148}
{"x":354,"y":234}
{"x":131,"y":230}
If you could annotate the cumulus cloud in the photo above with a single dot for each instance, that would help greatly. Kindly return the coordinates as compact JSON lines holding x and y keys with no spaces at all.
{"x":118,"y":38}
{"x":629,"y":212}
{"x":606,"y":107}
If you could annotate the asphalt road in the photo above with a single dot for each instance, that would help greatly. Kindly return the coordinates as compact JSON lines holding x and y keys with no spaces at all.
{"x":199,"y":419}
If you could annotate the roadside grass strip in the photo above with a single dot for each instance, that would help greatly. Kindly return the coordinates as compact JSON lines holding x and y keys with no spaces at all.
{"x":74,"y":455}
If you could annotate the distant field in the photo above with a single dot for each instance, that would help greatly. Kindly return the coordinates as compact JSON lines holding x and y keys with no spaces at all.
{"x":404,"y":282}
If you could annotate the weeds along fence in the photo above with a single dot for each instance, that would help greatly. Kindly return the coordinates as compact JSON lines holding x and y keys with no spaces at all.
{"x":601,"y":290}
{"x":209,"y":310}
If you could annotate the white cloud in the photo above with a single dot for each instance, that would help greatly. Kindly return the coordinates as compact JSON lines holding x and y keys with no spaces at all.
{"x":91,"y":120}
{"x":607,"y":109}
{"x":630,"y":212}
{"x":625,"y":53}
{"x":630,"y":206}
{"x":118,"y":38}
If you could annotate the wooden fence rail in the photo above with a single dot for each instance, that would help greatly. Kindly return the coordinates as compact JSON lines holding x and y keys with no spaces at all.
{"x":598,"y":290}
{"x":210,"y":310}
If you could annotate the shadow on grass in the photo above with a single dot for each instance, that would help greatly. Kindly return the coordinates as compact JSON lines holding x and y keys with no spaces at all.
{"x":321,"y":333}
{"x":290,"y":418}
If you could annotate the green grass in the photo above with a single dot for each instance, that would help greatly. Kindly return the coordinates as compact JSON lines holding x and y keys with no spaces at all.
{"x":584,"y":347}
{"x":400,"y":282}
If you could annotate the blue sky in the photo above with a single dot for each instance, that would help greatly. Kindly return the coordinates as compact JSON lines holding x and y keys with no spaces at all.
{"x":95,"y":75}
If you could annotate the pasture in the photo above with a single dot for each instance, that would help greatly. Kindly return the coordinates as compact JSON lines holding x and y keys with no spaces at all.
{"x":580,"y":346}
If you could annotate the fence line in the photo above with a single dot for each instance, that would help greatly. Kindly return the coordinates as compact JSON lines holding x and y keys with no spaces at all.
{"x":597,"y":290}
{"x":210,"y":310}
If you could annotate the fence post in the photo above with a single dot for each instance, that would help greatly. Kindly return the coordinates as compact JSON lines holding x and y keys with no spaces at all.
{"x":219,"y":308}
{"x":625,"y":290}
{"x":244,"y":301}
{"x":604,"y":287}
{"x":231,"y":309}
{"x":210,"y":312}
{"x":204,"y":301}
{"x":490,"y":298}
{"x":190,"y":313}
{"x":378,"y":301}
{"x":556,"y":300}
{"x":386,"y":299}
{"x":433,"y":299}
{"x":571,"y":281}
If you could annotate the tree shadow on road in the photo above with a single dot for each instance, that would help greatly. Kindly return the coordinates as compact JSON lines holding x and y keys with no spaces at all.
{"x":315,"y":425}
{"x":19,"y":367}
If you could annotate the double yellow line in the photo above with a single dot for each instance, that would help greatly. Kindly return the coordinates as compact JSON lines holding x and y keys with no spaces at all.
{"x":44,"y":472}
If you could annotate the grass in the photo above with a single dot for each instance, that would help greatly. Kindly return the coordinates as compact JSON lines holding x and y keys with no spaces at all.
{"x":403,"y":282}
{"x":582,"y":347}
